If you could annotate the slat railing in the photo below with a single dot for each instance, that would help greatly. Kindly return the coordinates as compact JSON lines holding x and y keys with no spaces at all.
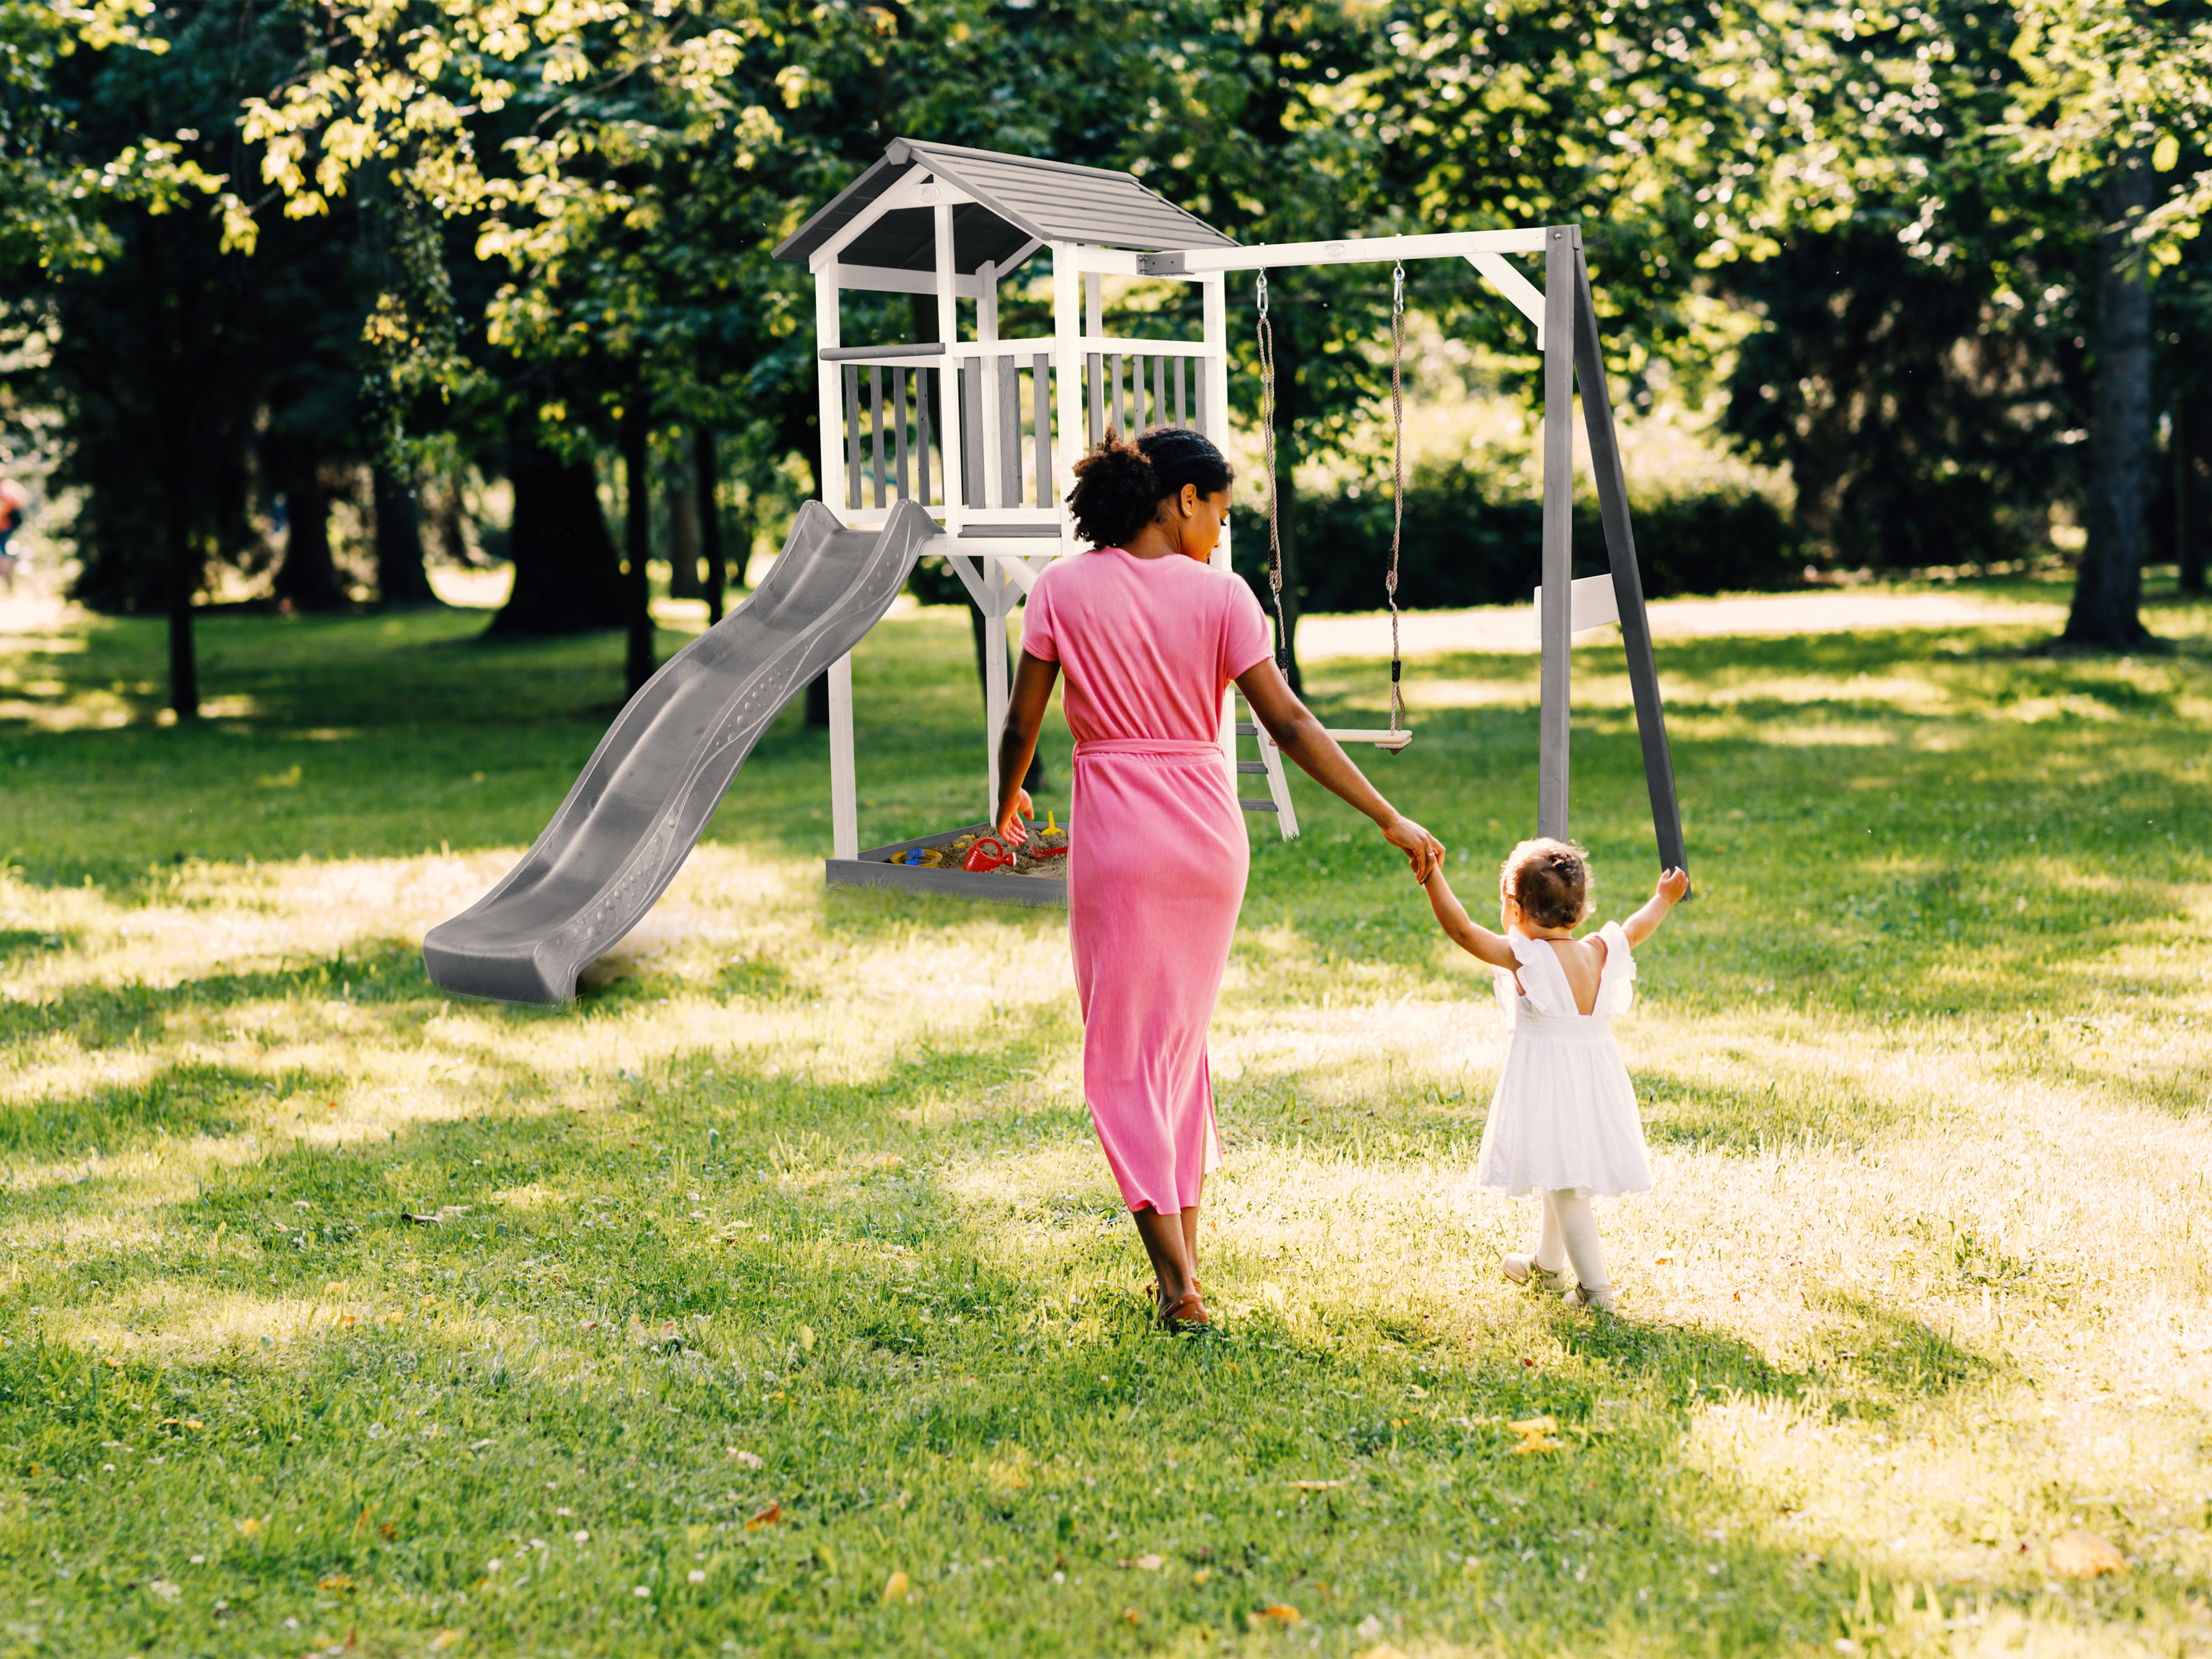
{"x":895,"y":397}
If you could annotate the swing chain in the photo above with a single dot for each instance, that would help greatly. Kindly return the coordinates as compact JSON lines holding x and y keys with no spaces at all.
{"x":1266,"y":343}
{"x":1397,"y":478}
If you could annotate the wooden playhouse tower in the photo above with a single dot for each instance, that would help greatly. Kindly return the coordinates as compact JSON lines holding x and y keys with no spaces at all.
{"x":983,"y":430}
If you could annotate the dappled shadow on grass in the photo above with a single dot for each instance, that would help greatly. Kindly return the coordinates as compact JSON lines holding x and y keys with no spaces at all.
{"x":16,"y":942}
{"x":95,"y":1015}
{"x":1701,"y":1116}
{"x":178,"y":1100}
{"x":1874,"y":1357}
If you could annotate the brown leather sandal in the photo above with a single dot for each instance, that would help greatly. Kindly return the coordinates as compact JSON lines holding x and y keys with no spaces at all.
{"x":1188,"y":1314}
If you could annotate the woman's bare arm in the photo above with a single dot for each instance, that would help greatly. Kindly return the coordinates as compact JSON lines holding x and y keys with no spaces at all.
{"x":1034,"y":678}
{"x":1645,"y":922}
{"x":1299,"y":735}
{"x":1470,"y":935}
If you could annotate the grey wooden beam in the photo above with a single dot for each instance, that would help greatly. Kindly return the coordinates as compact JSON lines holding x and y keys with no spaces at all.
{"x":1561,"y":257}
{"x":1627,"y":578}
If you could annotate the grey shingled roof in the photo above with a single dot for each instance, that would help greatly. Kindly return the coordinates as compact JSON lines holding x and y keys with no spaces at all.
{"x":1017,"y":198}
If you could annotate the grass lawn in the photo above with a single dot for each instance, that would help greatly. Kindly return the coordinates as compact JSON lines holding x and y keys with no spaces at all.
{"x":775,"y":1299}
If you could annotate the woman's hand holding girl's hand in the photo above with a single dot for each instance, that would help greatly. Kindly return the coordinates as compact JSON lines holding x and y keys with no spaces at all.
{"x":1423,"y":851}
{"x":1010,"y":827}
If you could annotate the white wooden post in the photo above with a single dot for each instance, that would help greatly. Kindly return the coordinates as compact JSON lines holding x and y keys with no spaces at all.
{"x":986,"y":335}
{"x":994,"y":665}
{"x":1067,"y":374}
{"x":827,"y":337}
{"x":844,"y":794}
{"x":1558,"y":661}
{"x":948,"y":402}
{"x":1094,"y":304}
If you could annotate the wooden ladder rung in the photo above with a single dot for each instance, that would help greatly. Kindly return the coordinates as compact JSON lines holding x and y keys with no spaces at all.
{"x":1251,"y":806}
{"x":1261,"y":767}
{"x":1246,"y":729}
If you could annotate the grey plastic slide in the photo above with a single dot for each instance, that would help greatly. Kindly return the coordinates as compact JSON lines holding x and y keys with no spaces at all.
{"x":634,"y":814}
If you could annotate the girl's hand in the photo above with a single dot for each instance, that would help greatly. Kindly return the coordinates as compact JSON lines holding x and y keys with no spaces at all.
{"x":1010,"y":827}
{"x":1645,"y":922}
{"x":1423,"y":851}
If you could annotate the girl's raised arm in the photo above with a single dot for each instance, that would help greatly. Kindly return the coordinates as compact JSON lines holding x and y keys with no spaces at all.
{"x":1470,"y":935}
{"x":1645,"y":922}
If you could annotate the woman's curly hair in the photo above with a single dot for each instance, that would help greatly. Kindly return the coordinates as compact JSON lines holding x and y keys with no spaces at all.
{"x":1550,"y":880}
{"x":1121,"y":483}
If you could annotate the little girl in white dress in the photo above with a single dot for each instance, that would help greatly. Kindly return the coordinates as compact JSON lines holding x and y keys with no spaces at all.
{"x":1564,"y":1123}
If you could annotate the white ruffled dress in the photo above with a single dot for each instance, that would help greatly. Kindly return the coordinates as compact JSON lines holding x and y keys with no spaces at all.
{"x":1564,"y":1113}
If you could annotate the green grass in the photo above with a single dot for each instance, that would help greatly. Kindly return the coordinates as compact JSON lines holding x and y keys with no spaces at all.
{"x":338,"y":1312}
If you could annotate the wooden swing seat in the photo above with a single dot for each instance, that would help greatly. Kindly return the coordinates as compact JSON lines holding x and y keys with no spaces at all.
{"x":1393,"y":741}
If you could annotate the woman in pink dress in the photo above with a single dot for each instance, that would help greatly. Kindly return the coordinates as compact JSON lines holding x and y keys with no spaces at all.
{"x":1149,"y":636}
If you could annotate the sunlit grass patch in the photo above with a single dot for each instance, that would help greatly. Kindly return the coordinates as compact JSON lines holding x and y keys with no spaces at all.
{"x":784,"y":1268}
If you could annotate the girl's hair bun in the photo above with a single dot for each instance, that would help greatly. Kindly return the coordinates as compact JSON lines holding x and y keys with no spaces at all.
{"x":1549,"y":879}
{"x":1120,"y":484}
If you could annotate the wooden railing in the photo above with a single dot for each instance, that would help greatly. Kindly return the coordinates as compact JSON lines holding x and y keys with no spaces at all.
{"x":893,"y":405}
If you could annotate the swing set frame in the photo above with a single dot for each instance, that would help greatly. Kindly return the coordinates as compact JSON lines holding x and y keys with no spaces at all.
{"x":954,"y":223}
{"x":1565,"y":317}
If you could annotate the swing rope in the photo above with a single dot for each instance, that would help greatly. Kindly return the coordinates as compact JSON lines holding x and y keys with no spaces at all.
{"x":1397,"y":736}
{"x":1397,"y":480}
{"x":1267,"y":341}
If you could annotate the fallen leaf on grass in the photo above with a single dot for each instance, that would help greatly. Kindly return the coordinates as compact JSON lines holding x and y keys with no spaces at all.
{"x":252,"y":1525}
{"x":1143,"y":1563}
{"x":1279,"y":1613}
{"x":750,"y":1459}
{"x":167,"y":1588}
{"x":1315,"y":1486}
{"x":897,"y":1586}
{"x":336,"y":1581}
{"x":444,"y":1640}
{"x":2084,"y":1555}
{"x":766,"y":1517}
{"x":1536,"y":1434}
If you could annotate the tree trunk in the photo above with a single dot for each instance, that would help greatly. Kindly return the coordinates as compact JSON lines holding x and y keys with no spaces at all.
{"x":185,"y":573}
{"x":307,"y":580}
{"x":637,"y":513}
{"x":401,"y":580}
{"x":1286,"y":499}
{"x":566,"y":579}
{"x":2108,"y":591}
{"x":682,"y":496}
{"x":706,"y":474}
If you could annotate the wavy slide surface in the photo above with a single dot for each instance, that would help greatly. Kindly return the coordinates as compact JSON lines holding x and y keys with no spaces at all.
{"x":654,"y":781}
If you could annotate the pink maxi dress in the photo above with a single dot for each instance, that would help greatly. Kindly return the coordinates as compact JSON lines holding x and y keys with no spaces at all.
{"x":1157,"y":858}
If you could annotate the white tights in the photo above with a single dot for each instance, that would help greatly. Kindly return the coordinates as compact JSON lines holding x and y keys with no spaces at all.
{"x":1570,"y":1235}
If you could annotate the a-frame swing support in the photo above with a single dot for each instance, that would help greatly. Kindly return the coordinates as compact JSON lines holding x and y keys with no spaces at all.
{"x":1566,"y":320}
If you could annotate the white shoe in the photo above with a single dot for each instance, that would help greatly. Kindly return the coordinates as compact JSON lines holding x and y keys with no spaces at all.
{"x":1523,"y":1268}
{"x":1583,"y":1296}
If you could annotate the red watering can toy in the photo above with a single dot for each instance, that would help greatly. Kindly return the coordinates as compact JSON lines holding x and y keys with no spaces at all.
{"x":989,"y":854}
